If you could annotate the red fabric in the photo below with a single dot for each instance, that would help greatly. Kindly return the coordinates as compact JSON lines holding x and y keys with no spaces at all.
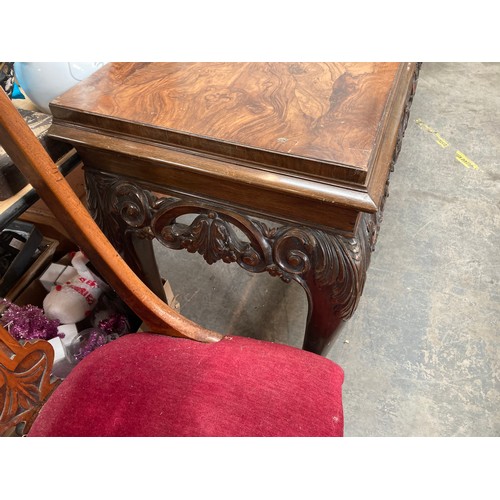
{"x":152,"y":385}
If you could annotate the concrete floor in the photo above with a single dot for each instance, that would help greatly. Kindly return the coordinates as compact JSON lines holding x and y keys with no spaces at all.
{"x":421,"y":354}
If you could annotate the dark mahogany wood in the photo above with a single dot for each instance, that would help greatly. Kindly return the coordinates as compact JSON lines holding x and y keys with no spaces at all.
{"x":308,"y":145}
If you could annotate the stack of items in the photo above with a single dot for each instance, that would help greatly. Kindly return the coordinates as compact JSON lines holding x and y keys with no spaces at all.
{"x":79,"y":313}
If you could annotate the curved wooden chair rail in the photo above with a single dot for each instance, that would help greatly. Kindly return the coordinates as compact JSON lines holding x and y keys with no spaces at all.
{"x":39,"y":169}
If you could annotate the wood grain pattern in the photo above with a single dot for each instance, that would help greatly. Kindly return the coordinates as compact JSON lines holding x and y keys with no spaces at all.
{"x":263,"y":182}
{"x":313,"y":118}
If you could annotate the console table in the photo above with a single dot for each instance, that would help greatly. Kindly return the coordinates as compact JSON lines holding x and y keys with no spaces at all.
{"x":307,"y":146}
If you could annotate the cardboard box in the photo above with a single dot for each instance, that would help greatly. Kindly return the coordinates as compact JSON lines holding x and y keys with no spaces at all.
{"x":48,"y":248}
{"x":26,"y":252}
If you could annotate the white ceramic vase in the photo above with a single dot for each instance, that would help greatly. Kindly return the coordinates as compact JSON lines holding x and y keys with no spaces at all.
{"x":44,"y":81}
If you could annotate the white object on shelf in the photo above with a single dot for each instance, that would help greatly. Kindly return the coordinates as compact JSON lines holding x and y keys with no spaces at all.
{"x":72,"y":302}
{"x":70,"y":333}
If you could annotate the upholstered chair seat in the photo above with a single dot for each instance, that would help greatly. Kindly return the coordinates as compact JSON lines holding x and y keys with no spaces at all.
{"x":152,"y":385}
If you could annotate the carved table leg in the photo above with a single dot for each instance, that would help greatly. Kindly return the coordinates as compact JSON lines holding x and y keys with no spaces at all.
{"x":123,"y":212}
{"x":337,"y":283}
{"x":139,"y":253}
{"x":332,"y":271}
{"x":324,"y":323}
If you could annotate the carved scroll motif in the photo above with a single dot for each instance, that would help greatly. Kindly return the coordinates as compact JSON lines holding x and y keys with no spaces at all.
{"x":211,"y":234}
{"x":118,"y":206}
{"x":25,"y":381}
{"x":319,"y":260}
{"x":313,"y":258}
{"x":307,"y":256}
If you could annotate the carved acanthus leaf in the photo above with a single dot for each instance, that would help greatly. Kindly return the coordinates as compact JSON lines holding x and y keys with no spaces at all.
{"x":212,"y":235}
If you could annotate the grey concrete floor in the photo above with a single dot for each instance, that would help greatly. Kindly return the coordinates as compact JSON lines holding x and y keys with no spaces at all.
{"x":421,"y":353}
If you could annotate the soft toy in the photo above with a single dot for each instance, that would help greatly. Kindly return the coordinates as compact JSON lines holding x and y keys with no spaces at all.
{"x":74,"y":300}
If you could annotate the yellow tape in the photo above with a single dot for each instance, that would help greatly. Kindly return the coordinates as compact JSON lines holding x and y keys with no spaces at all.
{"x":424,"y":126}
{"x":464,"y":160}
{"x":442,"y":142}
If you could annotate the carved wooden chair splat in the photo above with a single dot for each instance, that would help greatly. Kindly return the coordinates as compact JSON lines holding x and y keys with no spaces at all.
{"x":25,"y":382}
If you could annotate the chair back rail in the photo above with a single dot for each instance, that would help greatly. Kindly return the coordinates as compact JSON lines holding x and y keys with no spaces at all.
{"x":39,"y":169}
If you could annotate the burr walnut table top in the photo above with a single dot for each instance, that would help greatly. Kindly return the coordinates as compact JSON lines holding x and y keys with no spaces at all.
{"x":318,"y":135}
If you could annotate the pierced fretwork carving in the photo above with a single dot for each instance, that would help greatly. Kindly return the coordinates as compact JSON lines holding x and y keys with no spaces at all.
{"x":211,"y":234}
{"x":406,"y":114}
{"x":309,"y":256}
{"x":329,"y":266}
{"x":25,"y":382}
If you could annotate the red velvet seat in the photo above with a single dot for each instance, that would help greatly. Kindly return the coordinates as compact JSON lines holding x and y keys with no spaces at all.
{"x":153,"y":385}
